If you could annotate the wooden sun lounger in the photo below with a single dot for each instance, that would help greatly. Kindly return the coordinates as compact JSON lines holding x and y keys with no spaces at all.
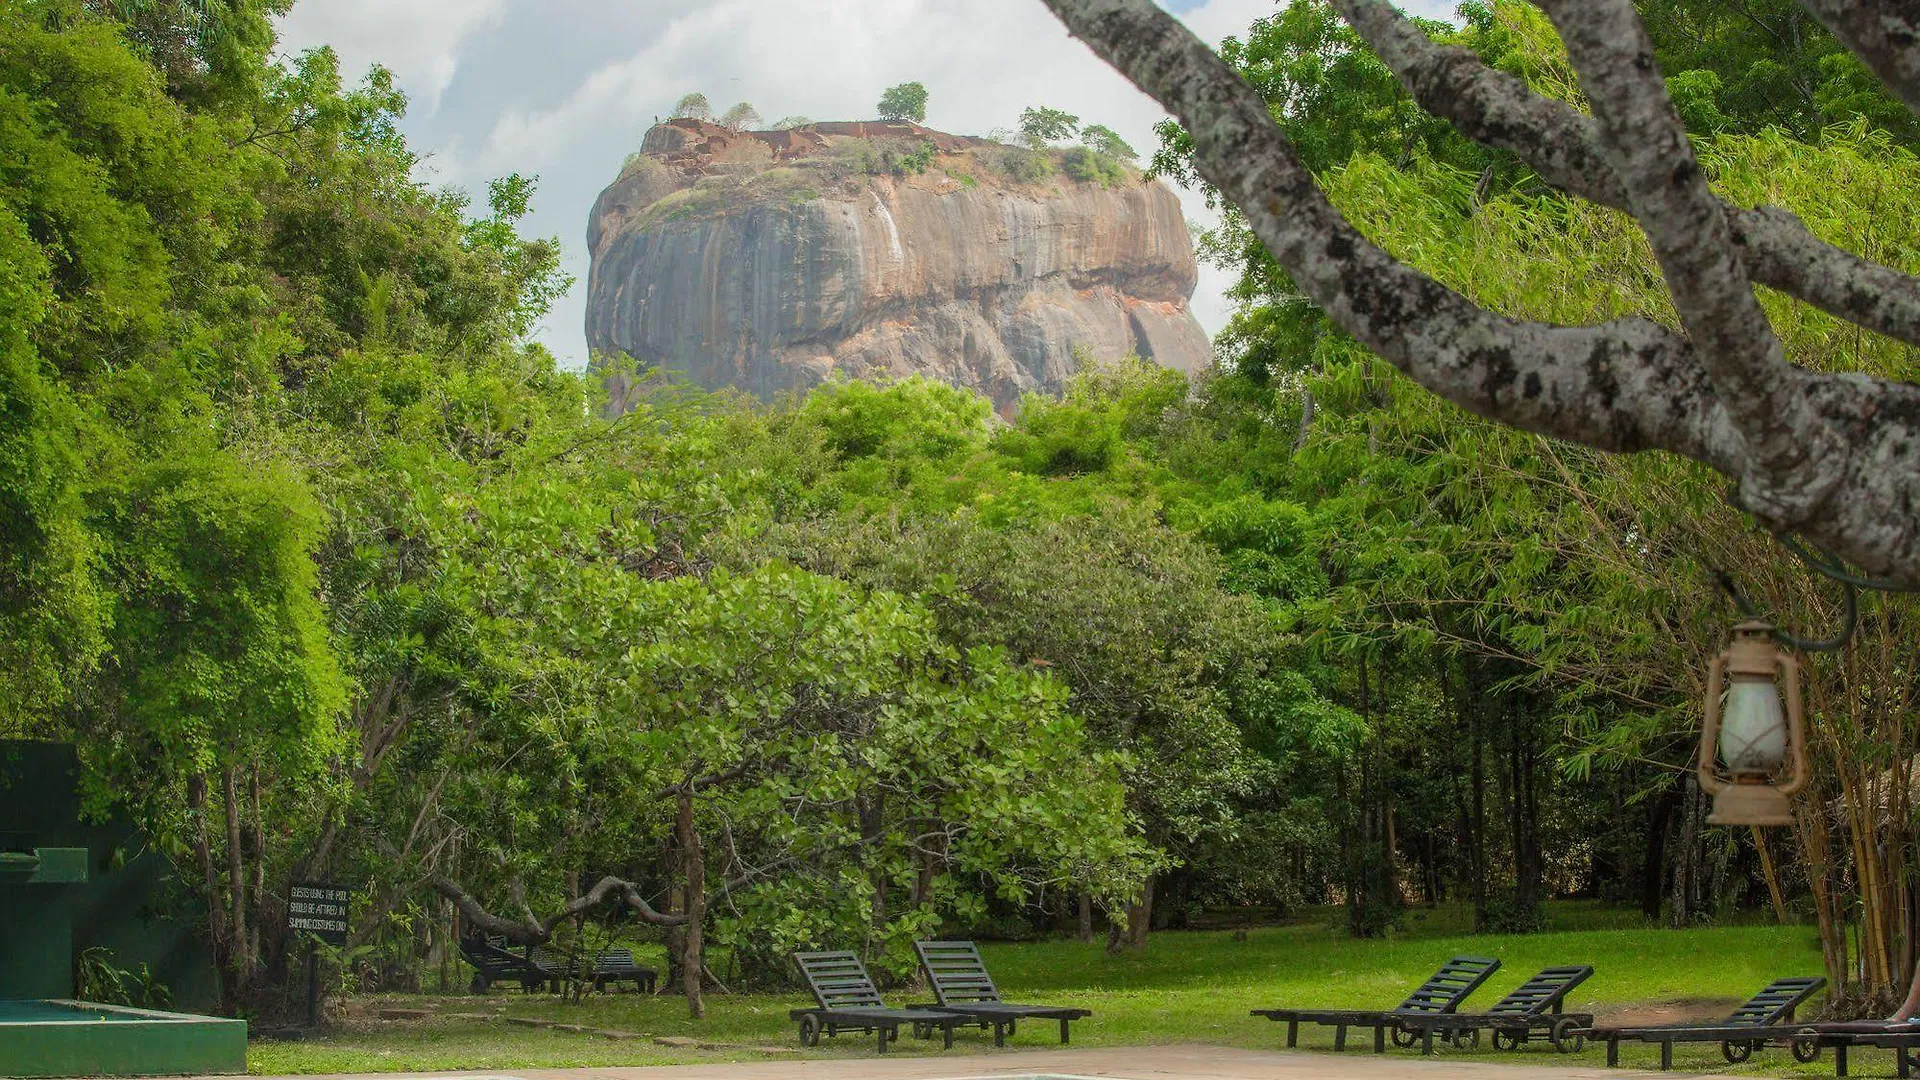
{"x":847,"y":1000}
{"x":603,"y":967}
{"x":1533,"y":1009}
{"x":493,"y":963}
{"x":1442,"y":993}
{"x":961,"y":985}
{"x":1900,"y":1036}
{"x":1746,"y":1029}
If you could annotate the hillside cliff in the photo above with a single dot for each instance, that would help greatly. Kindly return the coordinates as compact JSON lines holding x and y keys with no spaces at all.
{"x":771,"y":260}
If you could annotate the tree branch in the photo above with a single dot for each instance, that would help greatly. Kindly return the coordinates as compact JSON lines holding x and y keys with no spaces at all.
{"x":1792,"y":461}
{"x":725,"y":776}
{"x":1626,"y":385}
{"x":1622,"y":386}
{"x":1560,"y":144}
{"x":531,"y":930}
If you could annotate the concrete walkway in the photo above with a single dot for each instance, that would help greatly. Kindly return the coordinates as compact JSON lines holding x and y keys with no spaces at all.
{"x":1117,"y":1063}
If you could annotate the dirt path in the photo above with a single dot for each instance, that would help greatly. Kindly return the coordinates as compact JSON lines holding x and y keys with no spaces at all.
{"x":1113,"y":1063}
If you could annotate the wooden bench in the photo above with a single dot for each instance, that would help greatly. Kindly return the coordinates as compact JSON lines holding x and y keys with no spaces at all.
{"x":1442,"y":993}
{"x":846,"y":1000}
{"x":1532,"y":1010}
{"x":1746,"y":1029}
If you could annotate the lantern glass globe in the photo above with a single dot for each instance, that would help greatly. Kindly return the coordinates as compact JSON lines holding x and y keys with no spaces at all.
{"x":1753,"y":727}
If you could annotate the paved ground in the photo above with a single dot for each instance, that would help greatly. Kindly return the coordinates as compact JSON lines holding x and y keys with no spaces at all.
{"x":1117,"y":1063}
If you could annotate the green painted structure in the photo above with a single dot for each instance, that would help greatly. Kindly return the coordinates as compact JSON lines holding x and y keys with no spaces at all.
{"x":68,"y":885}
{"x":79,"y":1038}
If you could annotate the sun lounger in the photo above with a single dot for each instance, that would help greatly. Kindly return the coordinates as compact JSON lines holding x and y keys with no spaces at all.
{"x":961,"y":985}
{"x":493,"y":963}
{"x":1900,"y":1036}
{"x":1442,"y":993}
{"x":618,"y":966}
{"x":1534,"y":1009}
{"x":846,"y":1000}
{"x":603,"y":967}
{"x":1746,"y":1029}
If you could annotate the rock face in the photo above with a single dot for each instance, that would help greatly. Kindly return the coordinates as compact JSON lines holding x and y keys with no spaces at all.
{"x":770,"y":261}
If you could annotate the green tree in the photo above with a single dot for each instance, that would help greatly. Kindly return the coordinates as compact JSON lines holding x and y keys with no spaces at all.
{"x":908,"y":101}
{"x":692,"y":107}
{"x":740,"y":117}
{"x":1107,"y":142}
{"x":1041,"y":126}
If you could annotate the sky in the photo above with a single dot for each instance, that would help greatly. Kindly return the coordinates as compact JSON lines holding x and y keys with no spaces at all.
{"x":564,"y":89}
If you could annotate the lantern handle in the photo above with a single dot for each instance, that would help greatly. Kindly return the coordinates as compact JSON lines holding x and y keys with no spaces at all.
{"x":1710,"y":781}
{"x":1850,"y":618}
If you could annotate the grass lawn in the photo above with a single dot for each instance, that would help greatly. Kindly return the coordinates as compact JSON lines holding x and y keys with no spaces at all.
{"x":1186,"y":987}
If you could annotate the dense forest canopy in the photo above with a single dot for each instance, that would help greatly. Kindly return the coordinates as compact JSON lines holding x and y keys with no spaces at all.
{"x":329,"y":572}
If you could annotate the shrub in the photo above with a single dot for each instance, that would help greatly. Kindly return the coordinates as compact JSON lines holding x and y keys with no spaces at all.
{"x":1024,"y":166}
{"x":1090,"y":167}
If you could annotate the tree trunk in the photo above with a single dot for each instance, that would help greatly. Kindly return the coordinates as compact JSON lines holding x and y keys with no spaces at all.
{"x":1685,"y":873}
{"x":258,"y":830}
{"x":1085,"y":933}
{"x":236,"y":878}
{"x":210,"y":885}
{"x":1477,"y":838}
{"x":1774,"y":892}
{"x":1139,"y":918}
{"x":1653,"y":864}
{"x":694,"y":865}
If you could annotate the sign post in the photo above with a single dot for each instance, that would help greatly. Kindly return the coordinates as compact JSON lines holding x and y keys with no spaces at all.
{"x":320,"y":911}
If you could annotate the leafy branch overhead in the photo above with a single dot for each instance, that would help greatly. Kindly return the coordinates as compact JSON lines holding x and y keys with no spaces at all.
{"x":1831,"y":457}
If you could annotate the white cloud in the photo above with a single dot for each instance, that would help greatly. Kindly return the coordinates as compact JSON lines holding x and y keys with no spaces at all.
{"x":419,"y":40}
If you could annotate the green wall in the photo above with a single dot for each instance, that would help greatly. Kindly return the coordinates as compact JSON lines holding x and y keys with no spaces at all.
{"x":130,"y":903}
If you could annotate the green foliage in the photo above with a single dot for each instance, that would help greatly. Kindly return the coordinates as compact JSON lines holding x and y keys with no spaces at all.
{"x":907,"y":101}
{"x":693,"y":106}
{"x":1023,"y":166}
{"x":98,"y":978}
{"x":788,"y":123}
{"x":908,"y":163}
{"x":1041,"y":126}
{"x":1092,"y":167}
{"x":1107,"y":142}
{"x":740,"y":117}
{"x":1745,"y":67}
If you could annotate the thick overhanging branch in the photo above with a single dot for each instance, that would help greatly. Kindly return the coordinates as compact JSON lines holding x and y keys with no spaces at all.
{"x":699,"y":784}
{"x":1560,"y":144}
{"x":1614,"y":386}
{"x":1792,"y":461}
{"x":1622,"y":386}
{"x":531,"y":930}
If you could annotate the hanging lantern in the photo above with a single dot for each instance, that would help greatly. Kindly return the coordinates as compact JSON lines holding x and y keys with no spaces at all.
{"x":1753,"y":751}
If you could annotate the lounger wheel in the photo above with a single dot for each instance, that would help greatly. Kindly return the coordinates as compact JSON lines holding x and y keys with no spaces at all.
{"x":809,"y":1031}
{"x":1568,"y":1036}
{"x":1806,"y":1049}
{"x":1736,"y":1052}
{"x":1404,"y":1038}
{"x":1506,"y":1040}
{"x":1465,"y":1039}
